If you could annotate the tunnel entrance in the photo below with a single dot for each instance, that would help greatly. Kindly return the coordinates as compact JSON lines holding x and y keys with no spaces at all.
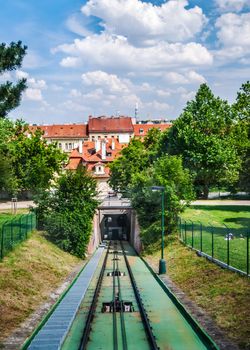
{"x":115,"y":227}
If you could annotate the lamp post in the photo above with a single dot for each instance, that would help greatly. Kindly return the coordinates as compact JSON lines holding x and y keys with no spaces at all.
{"x":162,"y":262}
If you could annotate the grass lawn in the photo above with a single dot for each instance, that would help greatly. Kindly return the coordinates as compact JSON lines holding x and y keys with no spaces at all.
{"x":214,"y":231}
{"x":27,"y":277}
{"x":223,"y":294}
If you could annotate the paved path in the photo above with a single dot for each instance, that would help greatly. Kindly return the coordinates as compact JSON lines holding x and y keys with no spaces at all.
{"x":221,"y":202}
{"x":20,"y":205}
{"x":27,"y":204}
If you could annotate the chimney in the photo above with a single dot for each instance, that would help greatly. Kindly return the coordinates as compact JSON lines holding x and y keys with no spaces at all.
{"x":113,"y":144}
{"x":80,"y":146}
{"x":97,"y":145}
{"x":103,"y":149}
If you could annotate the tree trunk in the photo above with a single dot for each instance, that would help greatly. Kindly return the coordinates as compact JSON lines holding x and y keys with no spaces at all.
{"x":205,"y":191}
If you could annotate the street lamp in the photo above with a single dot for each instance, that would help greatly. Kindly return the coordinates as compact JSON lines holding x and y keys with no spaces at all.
{"x":162,"y":262}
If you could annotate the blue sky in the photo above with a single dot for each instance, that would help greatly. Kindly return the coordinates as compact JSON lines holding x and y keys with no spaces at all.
{"x":102,"y":57}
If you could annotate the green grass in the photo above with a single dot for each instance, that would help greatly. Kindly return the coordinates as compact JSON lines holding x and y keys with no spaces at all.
{"x":224,"y":295}
{"x":213,"y":220}
{"x":27,"y":277}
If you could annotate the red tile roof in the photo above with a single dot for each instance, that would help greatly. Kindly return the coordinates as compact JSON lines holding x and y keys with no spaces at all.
{"x":146,"y":127}
{"x":90,"y":157}
{"x":73,"y":163}
{"x":112,"y":124}
{"x":62,"y":130}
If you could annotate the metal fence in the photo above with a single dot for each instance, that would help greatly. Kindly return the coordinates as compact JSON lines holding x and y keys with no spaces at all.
{"x":225,"y":246}
{"x":15,"y":231}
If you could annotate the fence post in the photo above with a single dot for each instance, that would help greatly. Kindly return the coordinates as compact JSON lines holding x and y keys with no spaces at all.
{"x":11,"y":231}
{"x":228,"y":245}
{"x":247,"y":253}
{"x":26,"y":226}
{"x":185,"y":227}
{"x":212,"y":232}
{"x":192,"y":233}
{"x":200,"y":236}
{"x":20,"y":227}
{"x":2,"y":240}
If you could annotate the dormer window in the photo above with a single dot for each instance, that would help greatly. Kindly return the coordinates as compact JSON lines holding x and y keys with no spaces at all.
{"x":99,"y":169}
{"x":141,"y":131}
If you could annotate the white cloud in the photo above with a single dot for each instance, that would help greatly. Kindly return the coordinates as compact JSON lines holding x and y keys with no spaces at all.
{"x":157,"y":106}
{"x":21,"y":74}
{"x":190,"y":77}
{"x":77,"y":25}
{"x":33,"y":94}
{"x":143,"y":22}
{"x":234,"y":30}
{"x":234,"y":37}
{"x":75,"y":93}
{"x":115,"y":52}
{"x":231,"y":5}
{"x":37,"y":84}
{"x":70,"y":62}
{"x":110,"y":82}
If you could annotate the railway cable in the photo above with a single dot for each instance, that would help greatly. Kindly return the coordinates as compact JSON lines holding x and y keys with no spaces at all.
{"x":148,"y":328}
{"x":87,"y":328}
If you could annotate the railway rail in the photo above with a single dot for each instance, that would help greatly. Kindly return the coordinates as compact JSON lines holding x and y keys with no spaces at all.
{"x":118,"y":306}
{"x":118,"y":303}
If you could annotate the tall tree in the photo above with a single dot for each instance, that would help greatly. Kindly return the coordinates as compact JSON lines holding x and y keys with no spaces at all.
{"x":241,"y":109}
{"x":34,"y":161}
{"x":11,"y":58}
{"x":67,"y":212}
{"x":204,"y":136}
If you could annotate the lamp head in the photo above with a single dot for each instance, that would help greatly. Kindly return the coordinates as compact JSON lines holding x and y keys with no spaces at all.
{"x":157,"y":188}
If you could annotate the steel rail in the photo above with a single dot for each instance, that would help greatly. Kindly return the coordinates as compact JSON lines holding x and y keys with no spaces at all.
{"x":87,"y":327}
{"x":123,"y":328}
{"x":115,"y":341}
{"x":147,"y":327}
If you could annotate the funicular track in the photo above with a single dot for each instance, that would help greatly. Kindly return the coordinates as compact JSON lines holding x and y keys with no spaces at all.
{"x":118,"y":307}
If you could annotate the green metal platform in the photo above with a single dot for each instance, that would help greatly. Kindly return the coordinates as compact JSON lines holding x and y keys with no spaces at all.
{"x":173,"y":328}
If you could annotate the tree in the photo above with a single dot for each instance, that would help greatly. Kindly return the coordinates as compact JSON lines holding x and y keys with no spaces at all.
{"x":11,"y":58}
{"x":67,"y":211}
{"x":34,"y":161}
{"x":166,"y":171}
{"x":241,"y":109}
{"x":133,"y":159}
{"x":204,"y":136}
{"x":140,"y":167}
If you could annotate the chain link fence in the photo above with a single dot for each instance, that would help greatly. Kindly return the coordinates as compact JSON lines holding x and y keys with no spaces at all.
{"x":15,"y":231}
{"x":225,"y":246}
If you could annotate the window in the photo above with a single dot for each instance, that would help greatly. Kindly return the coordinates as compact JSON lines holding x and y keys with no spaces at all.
{"x":66,"y":145}
{"x":141,"y":131}
{"x":60,"y":145}
{"x":70,"y":145}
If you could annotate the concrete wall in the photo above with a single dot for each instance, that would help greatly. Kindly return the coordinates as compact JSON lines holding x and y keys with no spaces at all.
{"x":95,"y":238}
{"x":135,"y":240}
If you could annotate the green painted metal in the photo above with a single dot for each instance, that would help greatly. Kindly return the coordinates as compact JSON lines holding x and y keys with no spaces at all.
{"x":50,"y":312}
{"x":15,"y":231}
{"x":172,"y":326}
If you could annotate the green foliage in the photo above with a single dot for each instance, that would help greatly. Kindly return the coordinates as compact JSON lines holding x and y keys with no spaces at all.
{"x":167,"y":171}
{"x":241,"y":109}
{"x":27,"y":162}
{"x":67,"y":211}
{"x":34,"y":161}
{"x":133,"y":159}
{"x":11,"y":58}
{"x":140,"y":167}
{"x":204,"y":136}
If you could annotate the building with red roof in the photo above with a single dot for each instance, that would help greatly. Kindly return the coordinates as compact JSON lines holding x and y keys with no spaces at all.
{"x":67,"y":136}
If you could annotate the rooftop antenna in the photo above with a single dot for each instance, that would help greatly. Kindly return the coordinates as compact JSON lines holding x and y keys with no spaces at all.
{"x":136,"y":111}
